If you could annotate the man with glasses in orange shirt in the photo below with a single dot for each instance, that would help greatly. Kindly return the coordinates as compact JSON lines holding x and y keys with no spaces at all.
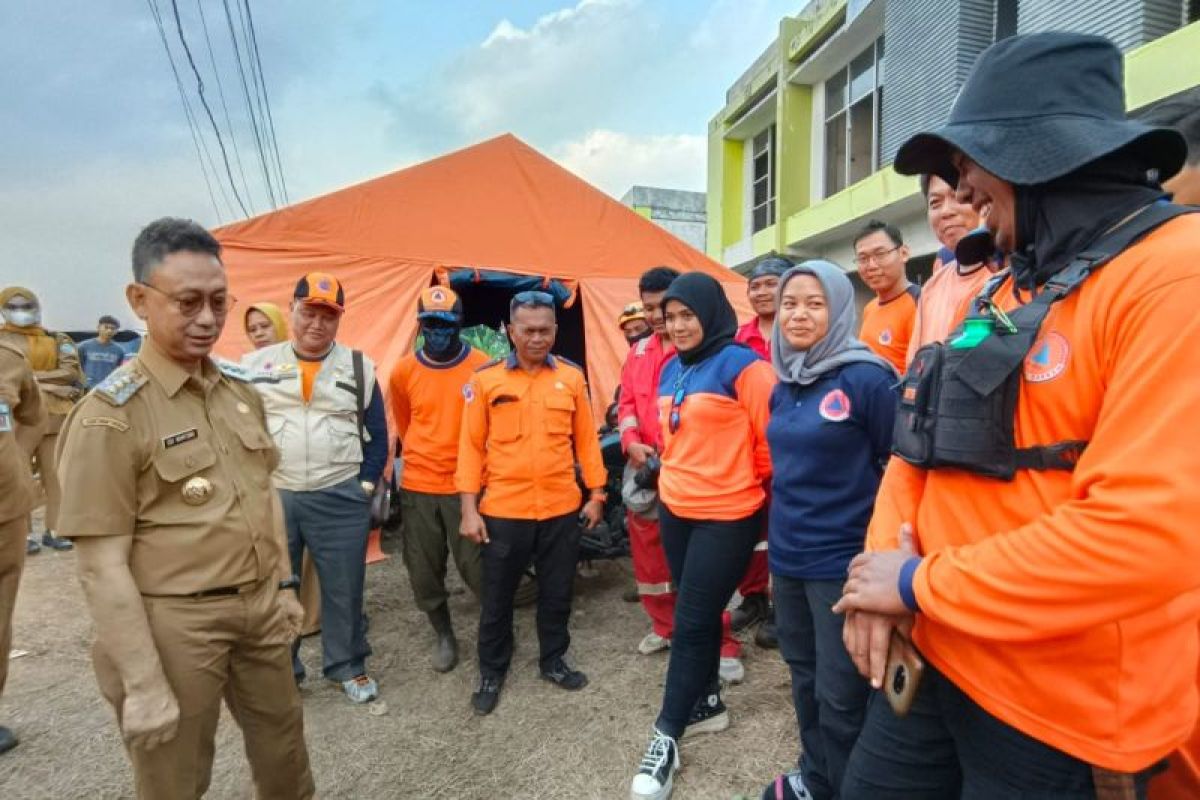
{"x":527,"y":420}
{"x":887,"y":321}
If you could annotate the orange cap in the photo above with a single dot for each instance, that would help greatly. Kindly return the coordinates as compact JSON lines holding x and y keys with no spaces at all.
{"x":439,"y":302}
{"x":321,"y":289}
{"x":630,"y":313}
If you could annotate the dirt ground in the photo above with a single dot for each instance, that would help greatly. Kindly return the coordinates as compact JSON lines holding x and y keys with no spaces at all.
{"x":541,"y":742}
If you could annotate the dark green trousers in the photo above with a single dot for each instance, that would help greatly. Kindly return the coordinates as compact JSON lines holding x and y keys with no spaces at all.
{"x":430,"y":535}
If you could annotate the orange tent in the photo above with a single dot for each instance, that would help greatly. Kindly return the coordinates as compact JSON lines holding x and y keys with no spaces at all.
{"x":485,"y":219}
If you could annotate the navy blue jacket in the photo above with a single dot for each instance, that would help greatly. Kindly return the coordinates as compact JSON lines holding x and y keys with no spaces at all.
{"x":829,"y":444}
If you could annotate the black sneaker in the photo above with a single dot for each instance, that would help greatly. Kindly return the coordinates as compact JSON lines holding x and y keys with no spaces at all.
{"x":766,"y":637}
{"x":56,"y":542}
{"x":656,"y":774}
{"x":566,"y":676}
{"x":753,"y":609}
{"x":8,"y":739}
{"x":708,"y":716}
{"x":31,"y":546}
{"x":789,"y":786}
{"x":487,"y":695}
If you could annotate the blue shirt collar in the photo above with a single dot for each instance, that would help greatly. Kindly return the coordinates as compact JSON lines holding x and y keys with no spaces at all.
{"x":511,"y":361}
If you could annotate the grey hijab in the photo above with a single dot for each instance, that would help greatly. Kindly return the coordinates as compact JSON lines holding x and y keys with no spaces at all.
{"x":840,"y":345}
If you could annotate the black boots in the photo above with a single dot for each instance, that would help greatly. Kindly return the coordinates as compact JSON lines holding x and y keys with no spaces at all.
{"x":445,"y":650}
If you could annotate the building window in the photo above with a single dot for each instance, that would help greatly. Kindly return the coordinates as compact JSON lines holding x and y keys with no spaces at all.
{"x":1006,"y":19}
{"x":853,"y":98}
{"x":763,"y":159}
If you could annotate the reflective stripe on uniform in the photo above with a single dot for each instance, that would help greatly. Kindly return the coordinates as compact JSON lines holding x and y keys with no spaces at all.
{"x":760,"y":547}
{"x":627,"y":424}
{"x":656,"y":588}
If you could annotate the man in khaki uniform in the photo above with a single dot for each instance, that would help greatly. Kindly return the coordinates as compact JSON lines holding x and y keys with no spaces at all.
{"x":55,"y":364}
{"x":21,"y":419}
{"x":167,"y":469}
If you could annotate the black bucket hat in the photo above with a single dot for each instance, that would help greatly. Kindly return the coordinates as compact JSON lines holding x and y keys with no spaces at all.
{"x":1038,"y":106}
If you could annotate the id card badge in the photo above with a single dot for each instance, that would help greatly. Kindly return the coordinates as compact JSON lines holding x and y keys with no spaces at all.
{"x":6,"y":418}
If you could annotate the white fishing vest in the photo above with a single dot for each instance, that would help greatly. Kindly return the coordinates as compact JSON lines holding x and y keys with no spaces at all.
{"x":318,"y":441}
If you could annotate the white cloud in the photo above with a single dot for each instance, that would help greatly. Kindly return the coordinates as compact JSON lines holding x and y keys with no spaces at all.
{"x":614,"y":161}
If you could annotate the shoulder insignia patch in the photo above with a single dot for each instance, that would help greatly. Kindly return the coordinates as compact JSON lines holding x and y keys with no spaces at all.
{"x":492,"y":363}
{"x":568,"y":362}
{"x":232,"y":370}
{"x":104,"y":422}
{"x":121,"y":385}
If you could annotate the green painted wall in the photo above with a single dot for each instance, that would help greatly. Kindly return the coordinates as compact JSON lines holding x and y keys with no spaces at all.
{"x":1163,"y":67}
{"x":645,"y":211}
{"x":794,"y":153}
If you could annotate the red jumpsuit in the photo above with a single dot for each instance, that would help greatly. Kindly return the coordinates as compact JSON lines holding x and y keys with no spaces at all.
{"x":758,"y":573}
{"x":637,"y":421}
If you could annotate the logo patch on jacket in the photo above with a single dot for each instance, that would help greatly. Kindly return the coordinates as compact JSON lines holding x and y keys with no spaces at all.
{"x":468,"y":392}
{"x":835,"y":406}
{"x":885,"y":336}
{"x":1047,"y":358}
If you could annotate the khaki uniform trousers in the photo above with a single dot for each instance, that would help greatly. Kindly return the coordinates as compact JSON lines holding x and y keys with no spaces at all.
{"x":231,"y":646}
{"x":47,"y":463}
{"x":310,"y":597}
{"x":431,"y":523}
{"x":12,"y":559}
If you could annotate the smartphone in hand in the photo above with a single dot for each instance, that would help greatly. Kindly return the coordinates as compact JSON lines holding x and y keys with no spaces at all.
{"x":903,"y":676}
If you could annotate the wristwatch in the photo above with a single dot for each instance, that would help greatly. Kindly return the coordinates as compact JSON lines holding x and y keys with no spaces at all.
{"x":368,"y":487}
{"x":291,"y":583}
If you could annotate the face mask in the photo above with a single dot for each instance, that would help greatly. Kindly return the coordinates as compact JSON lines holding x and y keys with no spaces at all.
{"x":441,"y":342}
{"x":24,"y":318}
{"x":637,"y":337}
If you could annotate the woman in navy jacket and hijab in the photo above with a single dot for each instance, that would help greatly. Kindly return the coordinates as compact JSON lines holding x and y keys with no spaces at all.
{"x":830,"y":436}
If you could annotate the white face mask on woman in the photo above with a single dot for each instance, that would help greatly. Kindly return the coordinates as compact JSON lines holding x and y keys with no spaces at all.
{"x":21,"y":314}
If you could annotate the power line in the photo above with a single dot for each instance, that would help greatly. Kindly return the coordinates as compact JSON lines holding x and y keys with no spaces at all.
{"x":207,"y":110}
{"x":187,"y":111}
{"x":267,"y":102}
{"x":249,"y":105}
{"x":237,"y":156}
{"x":256,"y":85}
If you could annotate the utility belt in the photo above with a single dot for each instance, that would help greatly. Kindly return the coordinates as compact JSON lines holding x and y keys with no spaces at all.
{"x":958,"y":401}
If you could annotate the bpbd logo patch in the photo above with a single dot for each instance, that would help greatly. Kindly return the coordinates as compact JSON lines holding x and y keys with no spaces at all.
{"x":1047,"y":358}
{"x":885,"y":336}
{"x":835,"y":406}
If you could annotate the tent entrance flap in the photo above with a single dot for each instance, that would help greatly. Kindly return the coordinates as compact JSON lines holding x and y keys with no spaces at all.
{"x":486,"y":294}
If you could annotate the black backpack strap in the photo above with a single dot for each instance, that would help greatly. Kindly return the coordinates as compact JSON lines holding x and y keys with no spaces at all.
{"x":360,"y":391}
{"x":989,"y":364}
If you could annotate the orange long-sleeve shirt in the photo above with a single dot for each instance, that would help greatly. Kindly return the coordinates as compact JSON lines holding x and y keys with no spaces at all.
{"x":426,"y":404}
{"x":1067,"y":603}
{"x":715,"y":463}
{"x":887,"y":327}
{"x":516,"y":440}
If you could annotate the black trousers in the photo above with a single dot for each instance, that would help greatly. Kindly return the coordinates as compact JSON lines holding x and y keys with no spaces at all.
{"x":708,"y":558}
{"x":949,"y":747}
{"x":552,"y":546}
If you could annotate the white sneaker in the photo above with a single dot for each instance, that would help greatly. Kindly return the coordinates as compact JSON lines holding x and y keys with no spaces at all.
{"x":656,"y":774}
{"x":362,"y":689}
{"x":653,"y":643}
{"x":731,"y":670}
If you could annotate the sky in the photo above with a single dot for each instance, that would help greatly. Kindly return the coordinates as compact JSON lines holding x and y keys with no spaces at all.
{"x":94,"y":142}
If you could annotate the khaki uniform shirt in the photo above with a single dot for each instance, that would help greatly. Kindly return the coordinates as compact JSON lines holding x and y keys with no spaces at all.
{"x":180,"y":463}
{"x":20,"y":405}
{"x":61,"y":384}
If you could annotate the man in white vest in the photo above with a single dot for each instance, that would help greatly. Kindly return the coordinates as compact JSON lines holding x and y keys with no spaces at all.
{"x":325,"y":412}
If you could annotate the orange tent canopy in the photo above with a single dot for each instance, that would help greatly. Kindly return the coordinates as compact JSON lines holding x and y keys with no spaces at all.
{"x":499,"y":206}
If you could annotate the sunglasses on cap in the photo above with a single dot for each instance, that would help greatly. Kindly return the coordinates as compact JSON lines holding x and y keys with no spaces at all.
{"x":533,"y":297}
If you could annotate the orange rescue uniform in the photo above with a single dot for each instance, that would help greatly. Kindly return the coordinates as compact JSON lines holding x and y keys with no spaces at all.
{"x":1066,"y":603}
{"x":945,"y":300}
{"x":426,"y":405}
{"x":517,"y":435}
{"x":887,"y":327}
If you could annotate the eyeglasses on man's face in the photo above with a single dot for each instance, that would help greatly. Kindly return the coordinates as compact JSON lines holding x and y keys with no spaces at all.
{"x":877,"y":256}
{"x":190,"y":304}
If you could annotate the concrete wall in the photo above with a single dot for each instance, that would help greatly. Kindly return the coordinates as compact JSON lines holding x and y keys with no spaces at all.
{"x":683,"y":213}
